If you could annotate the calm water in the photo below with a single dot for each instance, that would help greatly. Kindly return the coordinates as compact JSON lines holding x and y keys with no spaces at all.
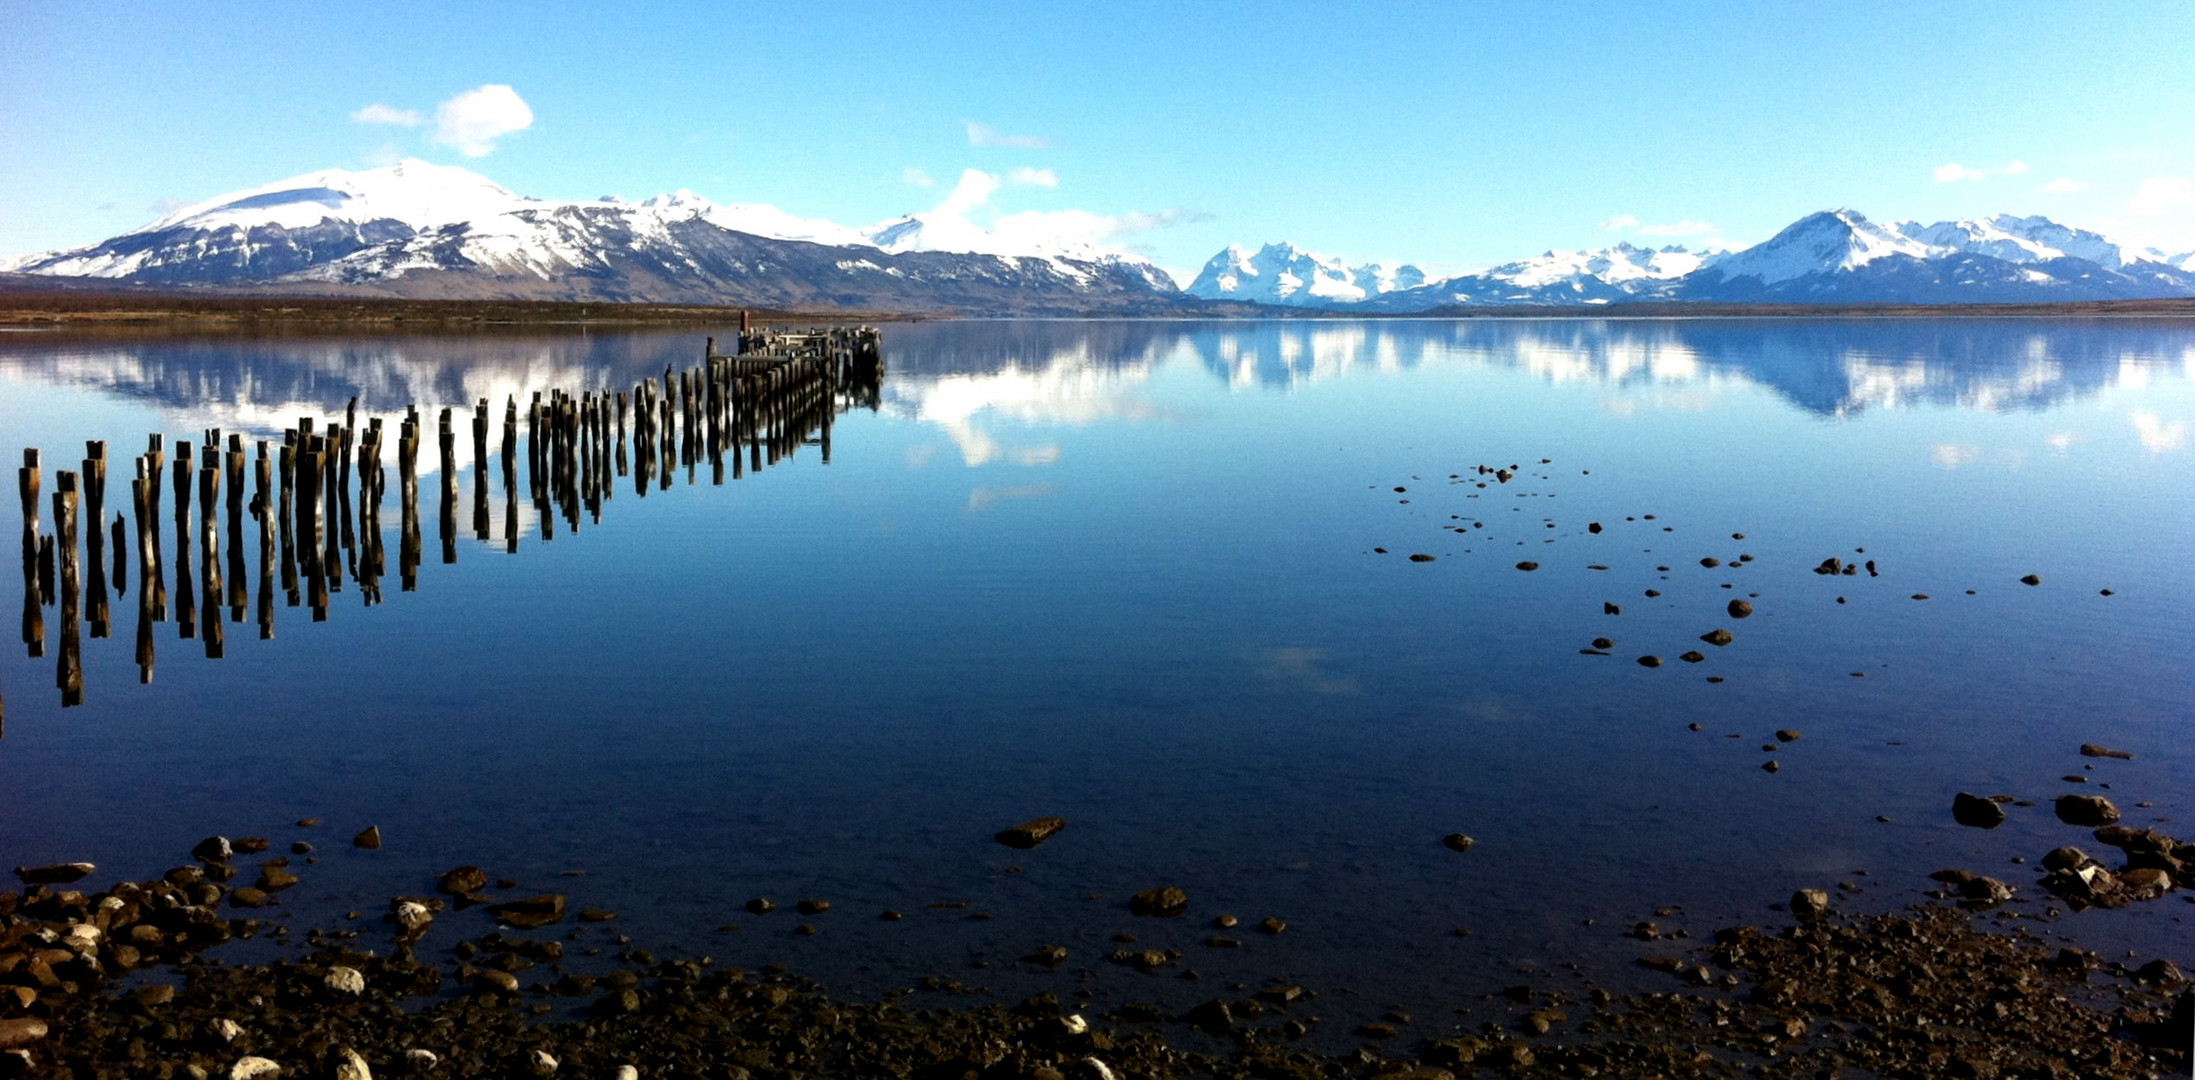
{"x":1128,"y":573}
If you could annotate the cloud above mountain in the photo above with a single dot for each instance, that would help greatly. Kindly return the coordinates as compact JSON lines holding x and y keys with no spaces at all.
{"x":472,"y":121}
{"x":469,"y":122}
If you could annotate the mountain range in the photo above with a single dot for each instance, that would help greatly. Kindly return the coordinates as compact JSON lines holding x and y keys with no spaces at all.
{"x":420,"y":230}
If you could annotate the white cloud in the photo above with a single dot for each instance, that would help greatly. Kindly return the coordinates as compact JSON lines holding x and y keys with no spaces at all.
{"x":1678,"y":228}
{"x":1033,"y":177}
{"x":1687,"y":227}
{"x":2162,"y":194}
{"x":378,"y":113}
{"x":957,"y":222}
{"x":474,"y":120}
{"x":980,"y":134}
{"x":914,"y":177}
{"x":2065,"y":186}
{"x":1953,"y":172}
{"x":974,"y":189}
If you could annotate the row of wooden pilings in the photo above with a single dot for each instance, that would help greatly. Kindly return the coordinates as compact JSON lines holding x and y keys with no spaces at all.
{"x":740,"y":412}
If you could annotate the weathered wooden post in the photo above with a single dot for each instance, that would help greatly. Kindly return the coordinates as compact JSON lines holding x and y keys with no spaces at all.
{"x":480,"y":471}
{"x":69,"y":673}
{"x":209,"y":494}
{"x":186,"y":589}
{"x":448,"y":443}
{"x":407,"y":473}
{"x":264,"y":514}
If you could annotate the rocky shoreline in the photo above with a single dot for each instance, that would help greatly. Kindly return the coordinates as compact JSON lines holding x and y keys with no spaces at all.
{"x":128,"y":982}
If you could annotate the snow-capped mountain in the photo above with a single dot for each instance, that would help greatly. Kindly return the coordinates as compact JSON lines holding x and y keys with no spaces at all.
{"x":2029,"y":240}
{"x":1284,"y":274}
{"x":1556,"y":278}
{"x":420,"y":229}
{"x":1839,"y":256}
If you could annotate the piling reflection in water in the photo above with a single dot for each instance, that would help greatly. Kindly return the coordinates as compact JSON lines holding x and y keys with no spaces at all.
{"x":750,"y":409}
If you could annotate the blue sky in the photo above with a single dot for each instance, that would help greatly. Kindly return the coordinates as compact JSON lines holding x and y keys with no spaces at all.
{"x":1451,"y":134}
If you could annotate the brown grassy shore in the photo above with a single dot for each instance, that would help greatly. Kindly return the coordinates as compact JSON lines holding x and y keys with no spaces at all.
{"x":105,"y":309}
{"x":104,"y":312}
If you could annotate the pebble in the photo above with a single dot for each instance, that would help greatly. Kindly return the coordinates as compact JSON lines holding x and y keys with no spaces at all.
{"x":1272,"y":925}
{"x":345,"y":980}
{"x":1528,"y":566}
{"x":2031,"y":579}
{"x":254,"y":1068}
{"x":626,"y":1072}
{"x":1165,"y":901}
{"x":1771,"y":766}
{"x":1711,"y":562}
{"x":1650,"y":661}
{"x":1603,"y":643}
{"x":463,"y":881}
{"x":541,"y":1063}
{"x":812,"y":907}
{"x":1226,"y":922}
{"x":350,"y":1066}
{"x":2093,"y":750}
{"x":1810,"y":905}
{"x":1457,"y":842}
{"x":21,"y":1030}
{"x":1692,"y":657}
{"x":370,"y":840}
{"x":761,"y":905}
{"x":1421,"y":557}
{"x":1739,"y":609}
{"x":422,"y":1060}
{"x":1788,"y":735}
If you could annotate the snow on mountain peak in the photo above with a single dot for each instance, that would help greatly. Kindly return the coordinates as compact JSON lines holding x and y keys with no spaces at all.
{"x":1281,"y":273}
{"x":1828,"y":240}
{"x":417,"y":193}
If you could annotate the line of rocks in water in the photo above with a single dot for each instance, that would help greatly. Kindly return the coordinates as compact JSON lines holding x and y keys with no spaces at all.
{"x":118,"y":983}
{"x":1482,"y":476}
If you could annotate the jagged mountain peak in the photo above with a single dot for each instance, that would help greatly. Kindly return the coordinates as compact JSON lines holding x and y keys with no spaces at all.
{"x":1279,"y":272}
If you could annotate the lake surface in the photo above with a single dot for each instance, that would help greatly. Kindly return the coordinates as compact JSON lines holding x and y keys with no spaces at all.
{"x":1155,"y":578}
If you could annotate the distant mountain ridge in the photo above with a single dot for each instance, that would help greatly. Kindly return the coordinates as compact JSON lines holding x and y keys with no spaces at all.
{"x":420,"y":230}
{"x":1831,"y":257}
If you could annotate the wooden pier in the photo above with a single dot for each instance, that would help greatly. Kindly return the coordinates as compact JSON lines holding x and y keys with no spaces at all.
{"x":315,"y":502}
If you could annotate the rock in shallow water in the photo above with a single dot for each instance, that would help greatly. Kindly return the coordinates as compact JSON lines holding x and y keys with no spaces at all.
{"x":1976,"y":812}
{"x":2088,"y":811}
{"x":1457,"y":842}
{"x":1165,"y":901}
{"x":54,"y":874}
{"x":534,"y":911}
{"x":1030,"y":833}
